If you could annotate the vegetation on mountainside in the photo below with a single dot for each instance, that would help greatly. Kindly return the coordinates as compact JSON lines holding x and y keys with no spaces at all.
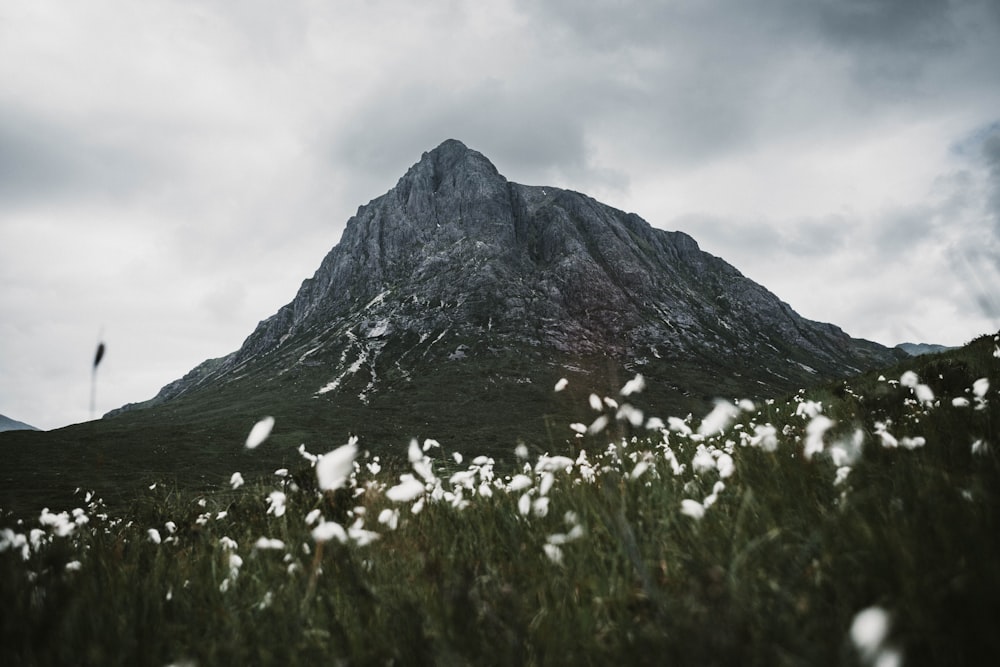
{"x":855,"y":523}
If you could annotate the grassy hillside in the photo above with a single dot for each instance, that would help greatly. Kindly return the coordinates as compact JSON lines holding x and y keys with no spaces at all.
{"x":855,"y":523}
{"x":486,"y":403}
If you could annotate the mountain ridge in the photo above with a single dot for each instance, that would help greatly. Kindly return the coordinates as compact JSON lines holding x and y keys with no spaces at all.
{"x":450,"y":308}
{"x":8,"y":424}
{"x":455,"y":252}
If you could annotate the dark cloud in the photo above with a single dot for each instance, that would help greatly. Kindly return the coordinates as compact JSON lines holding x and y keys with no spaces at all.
{"x":43,"y":161}
{"x":991,"y":155}
{"x":916,"y":26}
{"x":701,"y":80}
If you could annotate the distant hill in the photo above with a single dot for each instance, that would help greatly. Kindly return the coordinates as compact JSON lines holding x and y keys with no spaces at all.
{"x":918,"y":349}
{"x":8,"y":424}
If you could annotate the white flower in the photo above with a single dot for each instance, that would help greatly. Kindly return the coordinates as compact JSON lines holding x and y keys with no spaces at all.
{"x":276,"y":503}
{"x":414,"y":453}
{"x":725,"y":465}
{"x":545,"y":485}
{"x":598,"y":425}
{"x":408,"y":489}
{"x":268,"y":543}
{"x":312,"y":516}
{"x":259,"y":433}
{"x":553,"y":552}
{"x":980,"y":447}
{"x":719,"y":418}
{"x":888,"y":439}
{"x":846,"y":452}
{"x":980,"y":387}
{"x":595,"y":402}
{"x":519,"y":483}
{"x":960,"y":402}
{"x":154,"y":535}
{"x":655,"y":424}
{"x":678,"y":425}
{"x":540,"y":507}
{"x":553,"y":463}
{"x":703,"y":461}
{"x":692,"y":508}
{"x":636,"y":384}
{"x":819,"y":425}
{"x":228,"y":543}
{"x":521,"y":451}
{"x":360,"y":536}
{"x":389,"y":517}
{"x":561,"y":384}
{"x":765,"y":437}
{"x":464,"y":478}
{"x":809,"y":409}
{"x":329,"y":530}
{"x":924,"y":394}
{"x":909,"y":379}
{"x":869,"y":630}
{"x":74,"y":566}
{"x":633,"y":415}
{"x":333,"y":468}
{"x":640,"y":468}
{"x":281,"y":472}
{"x":524,"y":504}
{"x":312,"y":458}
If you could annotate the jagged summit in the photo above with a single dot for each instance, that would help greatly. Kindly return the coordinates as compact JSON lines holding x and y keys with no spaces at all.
{"x":438,"y":167}
{"x":457,"y":273}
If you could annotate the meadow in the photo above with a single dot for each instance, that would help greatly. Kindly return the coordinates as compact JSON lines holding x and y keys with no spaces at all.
{"x":856,"y":523}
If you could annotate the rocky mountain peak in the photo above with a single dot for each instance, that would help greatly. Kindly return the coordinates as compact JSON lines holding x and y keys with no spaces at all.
{"x":456,"y":263}
{"x":450,"y":166}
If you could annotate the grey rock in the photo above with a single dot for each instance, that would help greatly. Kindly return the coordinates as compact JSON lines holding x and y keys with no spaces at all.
{"x":457,"y":250}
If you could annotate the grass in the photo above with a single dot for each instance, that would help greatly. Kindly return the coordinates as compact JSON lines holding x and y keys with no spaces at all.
{"x":540,"y":560}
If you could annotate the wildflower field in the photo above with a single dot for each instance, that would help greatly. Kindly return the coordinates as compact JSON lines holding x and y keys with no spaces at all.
{"x":851,"y":524}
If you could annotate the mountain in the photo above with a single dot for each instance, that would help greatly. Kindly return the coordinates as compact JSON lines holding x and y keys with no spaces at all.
{"x":458,"y":267}
{"x":8,"y":424}
{"x":449,"y":309}
{"x":918,"y":349}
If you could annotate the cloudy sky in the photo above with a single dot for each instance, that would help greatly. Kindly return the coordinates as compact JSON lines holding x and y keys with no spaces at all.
{"x":171,"y":170}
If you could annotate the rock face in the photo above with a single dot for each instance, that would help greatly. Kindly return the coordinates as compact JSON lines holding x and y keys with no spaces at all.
{"x":456,"y":264}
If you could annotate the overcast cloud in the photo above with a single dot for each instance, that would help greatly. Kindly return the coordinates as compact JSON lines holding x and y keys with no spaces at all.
{"x":170,"y":171}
